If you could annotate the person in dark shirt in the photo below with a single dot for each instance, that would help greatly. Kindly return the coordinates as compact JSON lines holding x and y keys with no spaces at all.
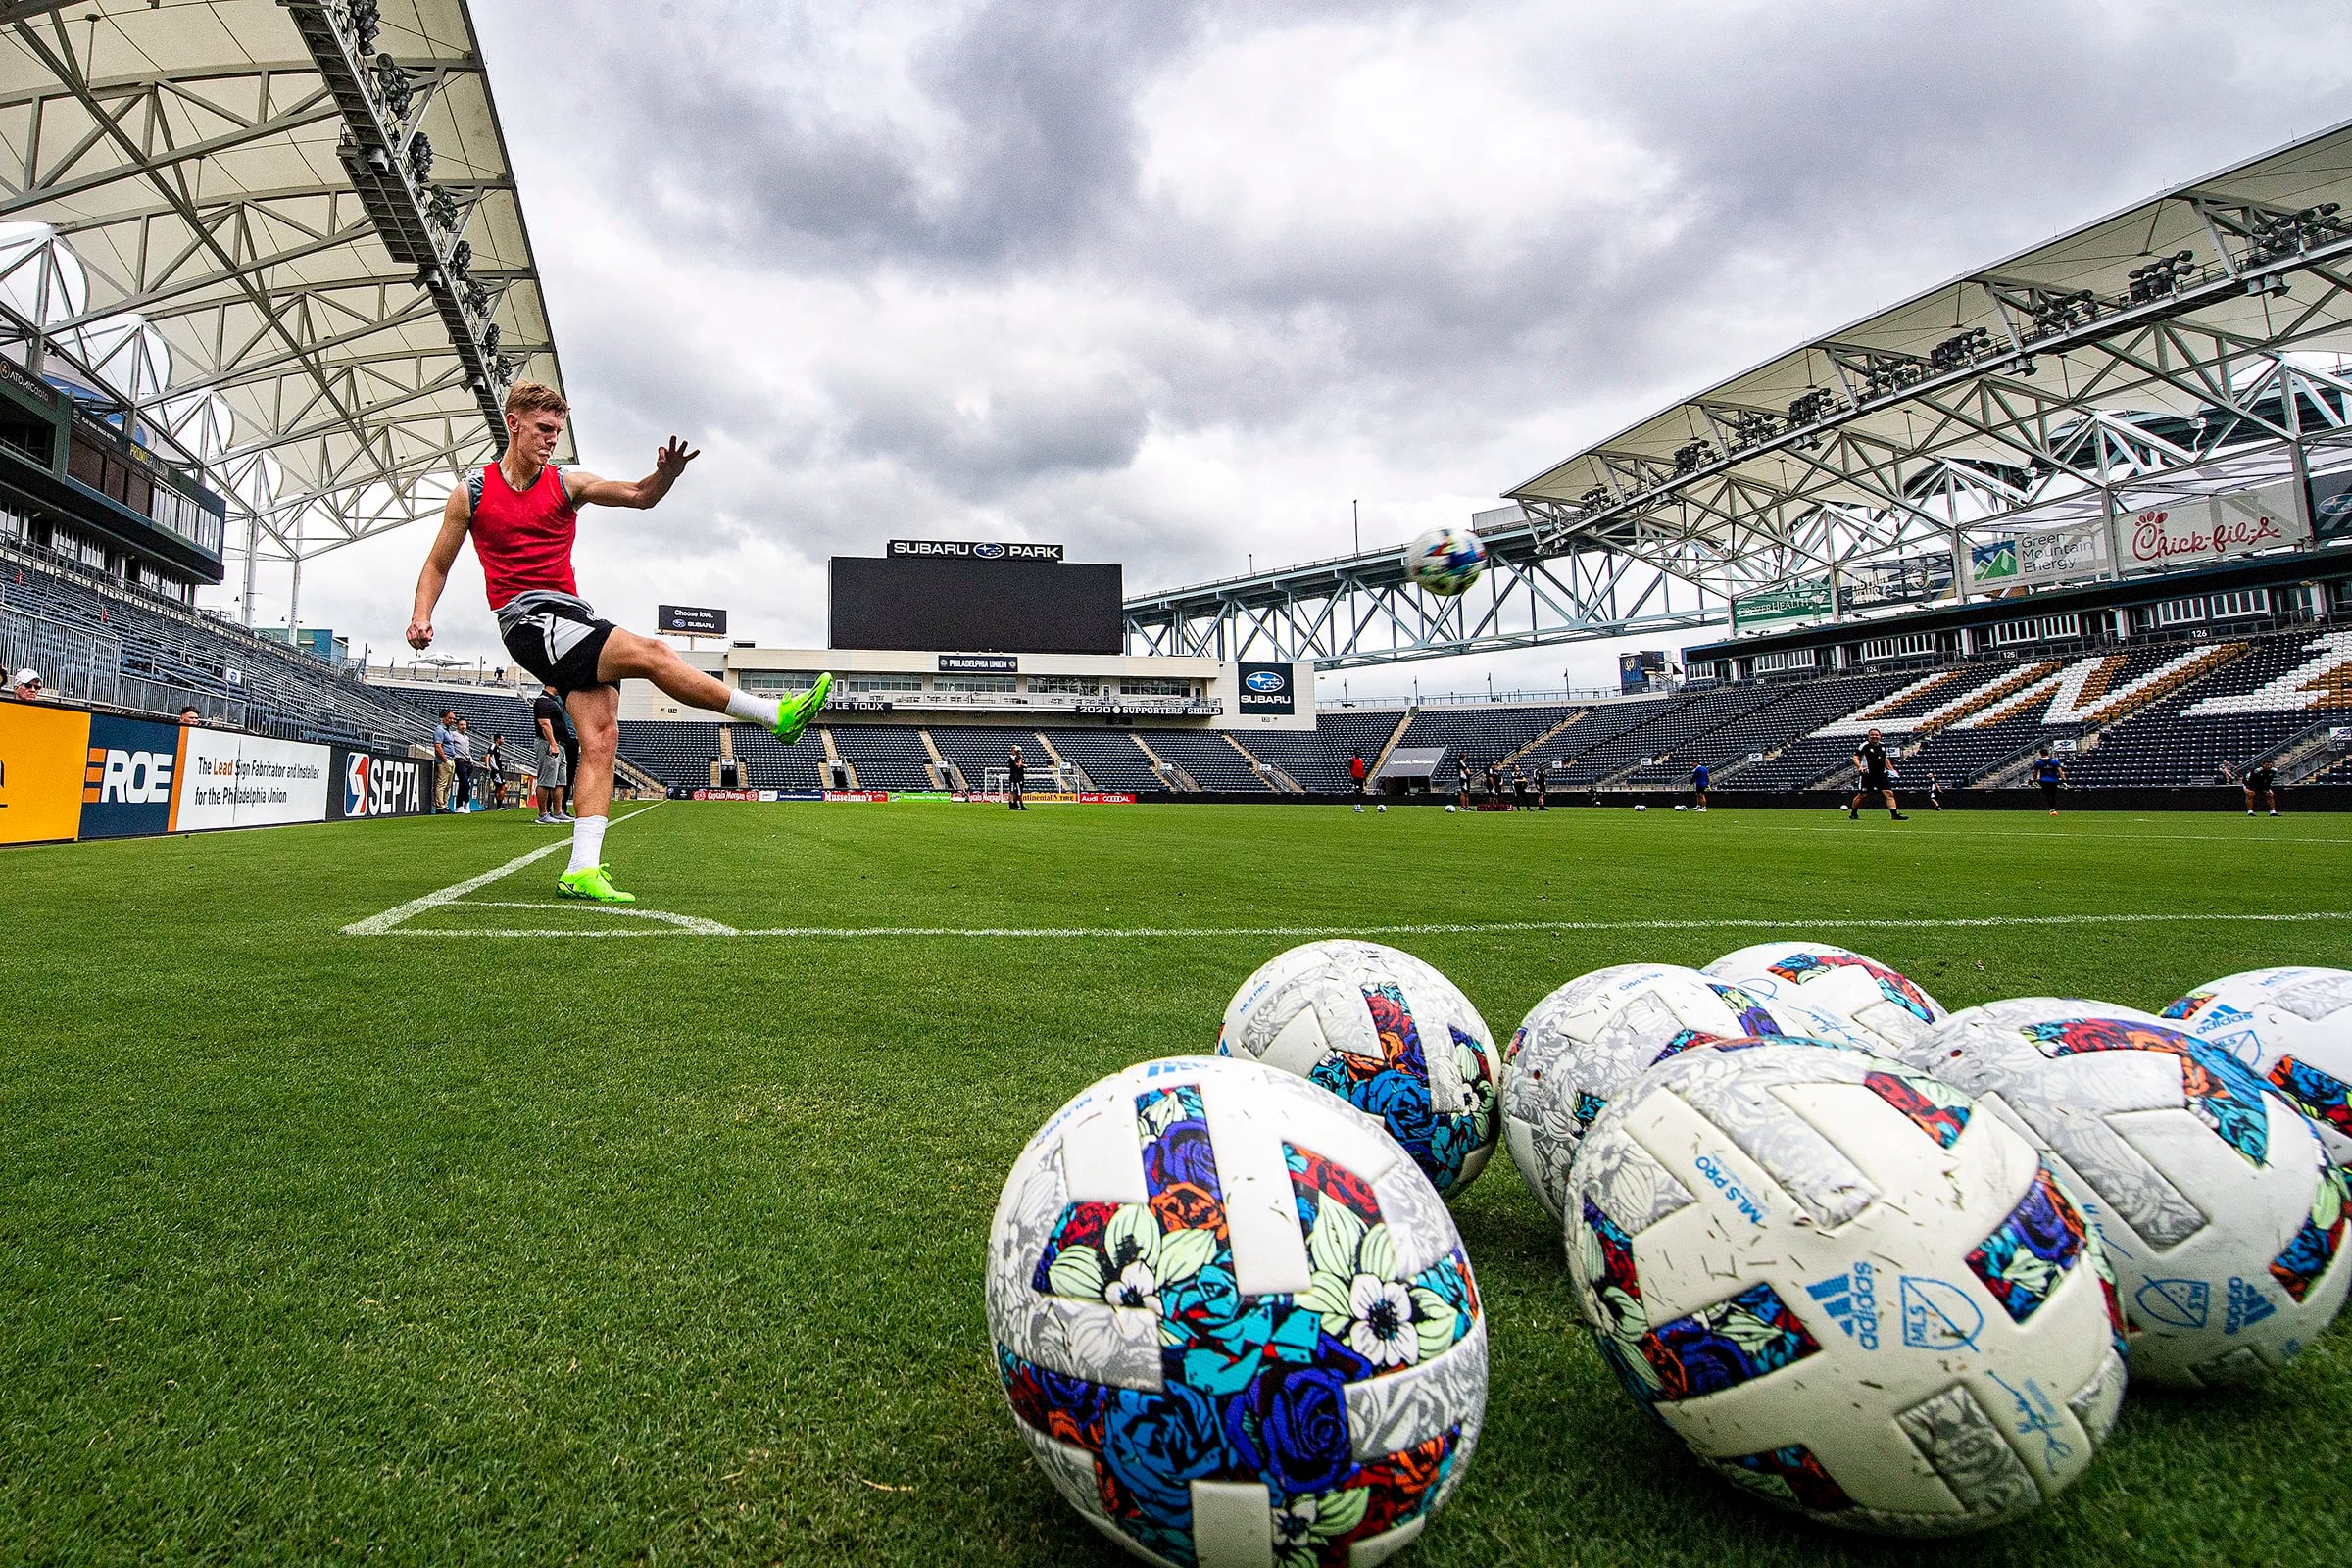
{"x":1016,"y":772}
{"x":1543,"y":785}
{"x":2049,"y":773}
{"x":1461,"y":768}
{"x":552,"y":774}
{"x":1698,"y":787}
{"x":1936,"y":792}
{"x":1518,"y":788}
{"x":1879,"y":774}
{"x":2259,"y":792}
{"x":1494,"y":783}
{"x":495,"y":761}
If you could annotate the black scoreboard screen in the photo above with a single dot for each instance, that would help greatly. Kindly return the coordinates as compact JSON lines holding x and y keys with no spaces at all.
{"x":997,"y":605}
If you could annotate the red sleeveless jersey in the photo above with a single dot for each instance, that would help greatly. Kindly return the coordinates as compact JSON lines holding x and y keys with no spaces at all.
{"x":523,"y":539}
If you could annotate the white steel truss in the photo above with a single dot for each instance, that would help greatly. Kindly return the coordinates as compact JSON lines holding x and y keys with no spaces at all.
{"x":304,"y":211}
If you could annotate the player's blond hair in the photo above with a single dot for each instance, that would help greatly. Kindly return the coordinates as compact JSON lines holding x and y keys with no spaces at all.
{"x":533,"y":397}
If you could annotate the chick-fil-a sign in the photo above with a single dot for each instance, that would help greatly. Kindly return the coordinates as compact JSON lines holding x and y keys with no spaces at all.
{"x":2207,"y":529}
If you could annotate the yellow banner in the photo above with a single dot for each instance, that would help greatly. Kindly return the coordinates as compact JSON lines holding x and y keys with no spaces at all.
{"x":44,"y":755}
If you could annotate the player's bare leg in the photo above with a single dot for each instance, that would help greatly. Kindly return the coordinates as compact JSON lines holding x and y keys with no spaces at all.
{"x":629,"y":657}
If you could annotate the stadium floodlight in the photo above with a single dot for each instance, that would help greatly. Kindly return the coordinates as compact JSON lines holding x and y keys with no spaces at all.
{"x":366,"y":19}
{"x":393,"y":86}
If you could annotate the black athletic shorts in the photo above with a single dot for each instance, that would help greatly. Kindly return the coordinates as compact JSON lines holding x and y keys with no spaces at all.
{"x":2049,"y":792}
{"x":1877,"y":784}
{"x":556,"y":637}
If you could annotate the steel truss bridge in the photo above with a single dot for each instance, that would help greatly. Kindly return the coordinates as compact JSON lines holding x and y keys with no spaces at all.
{"x":2184,"y":345}
{"x":277,"y":241}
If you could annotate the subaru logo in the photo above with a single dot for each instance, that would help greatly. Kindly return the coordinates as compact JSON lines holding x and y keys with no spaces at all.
{"x":2337,"y":506}
{"x":355,"y":785}
{"x":1264,"y":680}
{"x":988,"y":551}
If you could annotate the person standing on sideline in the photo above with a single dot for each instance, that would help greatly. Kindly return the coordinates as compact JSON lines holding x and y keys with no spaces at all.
{"x":1877,"y":778}
{"x":1698,"y":787}
{"x":445,"y":758}
{"x":1356,"y":772}
{"x":522,"y":513}
{"x":548,"y":783}
{"x":1461,"y":769}
{"x":495,"y":759}
{"x":1518,"y":788}
{"x":1934,"y":792}
{"x":2049,"y":773}
{"x":465,"y":748}
{"x":1016,"y":772}
{"x":1494,"y":784}
{"x":1543,"y":785}
{"x":2259,"y":781}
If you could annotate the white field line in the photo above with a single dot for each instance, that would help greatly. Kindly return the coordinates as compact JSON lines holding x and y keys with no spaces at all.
{"x":377,"y":925}
{"x":1210,"y":933}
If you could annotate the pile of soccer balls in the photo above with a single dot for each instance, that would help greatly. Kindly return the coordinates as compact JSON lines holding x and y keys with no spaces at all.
{"x":1883,"y":1266}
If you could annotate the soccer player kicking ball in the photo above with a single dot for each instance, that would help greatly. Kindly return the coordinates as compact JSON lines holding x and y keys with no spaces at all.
{"x":523,"y":511}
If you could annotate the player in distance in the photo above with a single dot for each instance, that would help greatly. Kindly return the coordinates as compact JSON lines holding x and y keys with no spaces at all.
{"x":523,"y":512}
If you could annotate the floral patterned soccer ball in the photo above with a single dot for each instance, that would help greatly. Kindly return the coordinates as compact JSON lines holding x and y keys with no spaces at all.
{"x":1236,"y":1323}
{"x":1886,"y":1006}
{"x":1446,"y":561}
{"x":1386,"y":1033}
{"x":1600,"y":1032}
{"x":1849,"y":1288}
{"x":2224,"y":1215}
{"x":2293,"y":1027}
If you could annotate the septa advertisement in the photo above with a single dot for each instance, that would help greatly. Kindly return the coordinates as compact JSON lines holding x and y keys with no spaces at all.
{"x":372,"y":784}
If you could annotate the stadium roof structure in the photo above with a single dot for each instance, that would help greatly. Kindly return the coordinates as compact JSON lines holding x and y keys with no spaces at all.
{"x":2184,"y":345}
{"x":282,"y":238}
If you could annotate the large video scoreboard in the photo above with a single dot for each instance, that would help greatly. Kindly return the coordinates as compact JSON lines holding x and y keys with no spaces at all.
{"x":976,"y":597}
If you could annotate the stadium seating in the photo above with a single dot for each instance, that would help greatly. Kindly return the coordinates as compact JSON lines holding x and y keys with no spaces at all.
{"x":885,"y":756}
{"x":768,"y":763}
{"x":1317,"y":758}
{"x":166,"y":655}
{"x":1213,"y":763}
{"x":1110,"y":757}
{"x":678,"y":753}
{"x":1484,"y":732}
{"x":975,"y":749}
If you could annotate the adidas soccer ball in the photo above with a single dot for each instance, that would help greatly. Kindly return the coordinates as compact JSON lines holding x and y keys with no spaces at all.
{"x":1889,"y":1008}
{"x":2293,"y":1027}
{"x":1382,"y":808}
{"x":1228,"y":1308}
{"x":1386,"y":1033}
{"x":1596,"y":1034}
{"x":1445,"y":561}
{"x":2225,"y":1217}
{"x":1451,"y":810}
{"x":1849,"y":1288}
{"x":1640,"y":808}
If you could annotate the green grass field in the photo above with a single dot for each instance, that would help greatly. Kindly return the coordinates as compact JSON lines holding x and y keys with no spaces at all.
{"x":535,"y":1248}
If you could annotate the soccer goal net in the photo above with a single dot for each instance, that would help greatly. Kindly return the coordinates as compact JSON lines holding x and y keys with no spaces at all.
{"x":1045,"y":779}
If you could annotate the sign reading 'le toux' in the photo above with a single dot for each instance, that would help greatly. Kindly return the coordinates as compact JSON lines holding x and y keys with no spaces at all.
{"x":974,"y":550}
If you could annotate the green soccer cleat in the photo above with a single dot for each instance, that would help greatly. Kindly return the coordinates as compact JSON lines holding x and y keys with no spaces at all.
{"x":793,"y":717}
{"x":595,"y":883}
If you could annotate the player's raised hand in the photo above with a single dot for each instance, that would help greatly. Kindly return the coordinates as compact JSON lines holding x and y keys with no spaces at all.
{"x":671,"y":460}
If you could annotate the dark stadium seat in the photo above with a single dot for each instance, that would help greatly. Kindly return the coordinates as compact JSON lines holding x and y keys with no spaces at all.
{"x":1210,"y":759}
{"x":1110,"y":757}
{"x":886,"y":756}
{"x":1316,"y":760}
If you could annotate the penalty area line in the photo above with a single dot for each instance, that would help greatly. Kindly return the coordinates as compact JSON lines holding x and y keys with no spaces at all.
{"x":818,"y":932}
{"x":384,"y":924}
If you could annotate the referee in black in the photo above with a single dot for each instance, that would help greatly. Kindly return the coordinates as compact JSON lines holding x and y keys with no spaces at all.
{"x":1877,"y":778}
{"x":1016,"y":772}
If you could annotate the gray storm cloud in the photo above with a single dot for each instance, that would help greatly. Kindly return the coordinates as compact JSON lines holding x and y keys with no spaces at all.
{"x":1172,"y":283}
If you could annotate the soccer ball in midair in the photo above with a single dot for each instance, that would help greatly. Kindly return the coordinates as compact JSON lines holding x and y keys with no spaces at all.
{"x":1235,"y":1321}
{"x":2293,"y":1026}
{"x":1596,"y":1034}
{"x":1889,"y":1008}
{"x":1849,"y":1288}
{"x":1386,"y":1033}
{"x":1445,"y":561}
{"x":2225,"y":1217}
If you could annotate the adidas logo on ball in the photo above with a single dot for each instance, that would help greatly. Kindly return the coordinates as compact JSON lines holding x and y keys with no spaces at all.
{"x":1851,"y":1300}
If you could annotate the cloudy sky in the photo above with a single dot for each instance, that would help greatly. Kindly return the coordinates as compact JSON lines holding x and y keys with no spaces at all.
{"x":1173,"y":283}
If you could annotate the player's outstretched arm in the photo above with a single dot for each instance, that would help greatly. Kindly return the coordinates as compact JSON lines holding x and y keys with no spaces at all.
{"x":588,"y":490}
{"x":455,"y":514}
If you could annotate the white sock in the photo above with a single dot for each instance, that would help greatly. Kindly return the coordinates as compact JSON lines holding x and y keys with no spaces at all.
{"x":587,"y":844}
{"x":762,"y":710}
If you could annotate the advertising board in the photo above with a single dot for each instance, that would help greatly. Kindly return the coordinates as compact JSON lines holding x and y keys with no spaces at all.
{"x":229,"y":780}
{"x":127,"y":786}
{"x":372,"y":784}
{"x":45,"y":755}
{"x":1267,"y":689}
{"x":690,"y":620}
